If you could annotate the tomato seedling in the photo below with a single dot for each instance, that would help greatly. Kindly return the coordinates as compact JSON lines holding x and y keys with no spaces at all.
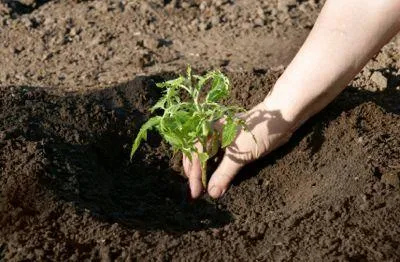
{"x":188,"y":125}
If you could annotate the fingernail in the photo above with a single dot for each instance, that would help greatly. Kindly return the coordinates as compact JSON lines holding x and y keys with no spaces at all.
{"x":215,"y":192}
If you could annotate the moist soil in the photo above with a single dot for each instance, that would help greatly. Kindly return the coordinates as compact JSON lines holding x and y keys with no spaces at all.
{"x":76,"y":83}
{"x":69,"y":190}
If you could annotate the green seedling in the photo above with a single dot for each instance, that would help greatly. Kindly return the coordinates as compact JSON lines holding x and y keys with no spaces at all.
{"x":188,"y":126}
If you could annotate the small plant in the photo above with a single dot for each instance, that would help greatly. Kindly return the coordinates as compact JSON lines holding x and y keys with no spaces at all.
{"x":185,"y":124}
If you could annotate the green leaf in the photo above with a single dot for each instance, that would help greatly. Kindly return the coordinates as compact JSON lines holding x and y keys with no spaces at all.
{"x":171,"y":83}
{"x":142,"y":135}
{"x":189,"y":72}
{"x":201,"y":80}
{"x":172,"y":131}
{"x":171,"y":97}
{"x":190,"y":127}
{"x":188,"y":153}
{"x":159,"y":105}
{"x":203,"y":157}
{"x":228,"y":133}
{"x":185,"y":123}
{"x":173,"y":139}
{"x":219,"y":88}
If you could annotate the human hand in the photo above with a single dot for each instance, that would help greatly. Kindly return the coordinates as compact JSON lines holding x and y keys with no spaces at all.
{"x":305,"y":87}
{"x":270,"y":131}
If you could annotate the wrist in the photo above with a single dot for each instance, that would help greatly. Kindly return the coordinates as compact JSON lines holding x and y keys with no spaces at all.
{"x":289,"y":102}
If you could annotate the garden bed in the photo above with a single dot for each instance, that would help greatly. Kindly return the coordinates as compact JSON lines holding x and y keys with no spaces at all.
{"x":76,"y":81}
{"x":69,"y":190}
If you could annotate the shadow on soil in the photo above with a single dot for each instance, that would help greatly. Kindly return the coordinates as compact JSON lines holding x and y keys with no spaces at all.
{"x":313,"y":129}
{"x":20,"y":8}
{"x":86,"y":140}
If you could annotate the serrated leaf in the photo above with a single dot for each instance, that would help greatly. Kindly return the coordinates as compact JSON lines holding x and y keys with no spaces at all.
{"x":183,"y":124}
{"x":219,"y":88}
{"x":159,"y":105}
{"x":180,"y":118}
{"x":142,"y":135}
{"x":171,"y":83}
{"x":228,"y":133}
{"x":173,"y":139}
{"x":172,"y":131}
{"x":190,"y":126}
{"x":201,"y":80}
{"x":171,"y":97}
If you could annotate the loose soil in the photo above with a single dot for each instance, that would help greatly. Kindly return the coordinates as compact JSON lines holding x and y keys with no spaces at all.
{"x":74,"y":91}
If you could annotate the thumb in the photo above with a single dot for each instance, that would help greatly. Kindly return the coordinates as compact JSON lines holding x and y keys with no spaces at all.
{"x":223,"y":175}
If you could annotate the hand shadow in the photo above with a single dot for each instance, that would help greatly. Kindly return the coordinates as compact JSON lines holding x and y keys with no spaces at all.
{"x":313,"y":129}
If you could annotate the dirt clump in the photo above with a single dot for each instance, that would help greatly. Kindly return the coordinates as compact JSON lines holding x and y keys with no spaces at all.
{"x":69,"y":190}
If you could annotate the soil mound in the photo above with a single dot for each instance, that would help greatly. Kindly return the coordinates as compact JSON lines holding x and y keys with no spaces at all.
{"x":69,"y":191}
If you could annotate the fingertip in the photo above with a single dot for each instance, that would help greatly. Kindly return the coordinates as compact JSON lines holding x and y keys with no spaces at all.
{"x":196,"y":190}
{"x":215,"y":192}
{"x":222,"y":177}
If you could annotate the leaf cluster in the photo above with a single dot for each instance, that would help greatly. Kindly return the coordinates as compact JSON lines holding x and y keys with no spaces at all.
{"x":187,"y":124}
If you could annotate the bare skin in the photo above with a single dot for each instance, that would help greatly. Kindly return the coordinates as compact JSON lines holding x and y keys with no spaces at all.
{"x":345,"y":36}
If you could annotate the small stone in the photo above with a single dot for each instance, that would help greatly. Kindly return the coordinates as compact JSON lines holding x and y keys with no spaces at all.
{"x":151,"y":43}
{"x":185,"y":5}
{"x":379,"y":80}
{"x":371,"y":88}
{"x":204,"y":26}
{"x":216,"y":232}
{"x":391,"y":179}
{"x":215,"y":20}
{"x":364,"y":206}
{"x":259,"y":22}
{"x":260,"y":13}
{"x":364,"y":197}
{"x":218,"y":3}
{"x":73,"y":32}
{"x":266,"y":183}
{"x":27,"y":22}
{"x":203,"y":6}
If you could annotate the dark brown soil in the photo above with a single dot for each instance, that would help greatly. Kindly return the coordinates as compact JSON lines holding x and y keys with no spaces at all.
{"x":76,"y":81}
{"x":69,"y":190}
